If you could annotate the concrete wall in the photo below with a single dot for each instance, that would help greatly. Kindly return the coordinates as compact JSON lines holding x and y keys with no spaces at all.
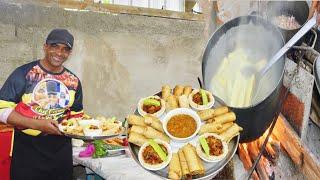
{"x":119,"y":58}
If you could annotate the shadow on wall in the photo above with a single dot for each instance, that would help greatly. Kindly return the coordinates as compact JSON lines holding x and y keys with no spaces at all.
{"x":105,"y":82}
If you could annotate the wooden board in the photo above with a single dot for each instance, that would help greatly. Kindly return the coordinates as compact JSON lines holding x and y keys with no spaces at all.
{"x":299,"y":153}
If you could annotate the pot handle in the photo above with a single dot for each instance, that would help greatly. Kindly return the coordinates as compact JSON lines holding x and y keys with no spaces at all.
{"x":200,"y":83}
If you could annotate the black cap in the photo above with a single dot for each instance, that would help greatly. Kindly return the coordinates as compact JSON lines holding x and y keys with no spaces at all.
{"x":60,"y":36}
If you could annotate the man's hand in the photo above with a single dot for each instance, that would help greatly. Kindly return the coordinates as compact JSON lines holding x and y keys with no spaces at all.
{"x":43,"y":125}
{"x":315,"y":8}
{"x":46,"y":126}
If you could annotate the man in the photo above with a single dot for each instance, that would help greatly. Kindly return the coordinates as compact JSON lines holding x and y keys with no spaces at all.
{"x":29,"y":101}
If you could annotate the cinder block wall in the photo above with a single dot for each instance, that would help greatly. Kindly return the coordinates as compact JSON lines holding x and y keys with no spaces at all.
{"x":119,"y":58}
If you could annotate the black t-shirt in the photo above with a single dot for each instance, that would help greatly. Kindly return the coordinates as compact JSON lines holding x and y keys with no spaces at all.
{"x":34,"y":92}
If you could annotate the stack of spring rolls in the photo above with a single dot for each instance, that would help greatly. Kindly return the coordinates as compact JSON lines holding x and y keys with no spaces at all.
{"x":185,"y":163}
{"x":144,"y":128}
{"x":220,"y":121}
{"x":179,"y":98}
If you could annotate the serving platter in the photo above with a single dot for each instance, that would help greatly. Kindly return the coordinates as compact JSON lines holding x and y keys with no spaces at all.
{"x":80,"y":128}
{"x":91,"y":137}
{"x":211,"y":168}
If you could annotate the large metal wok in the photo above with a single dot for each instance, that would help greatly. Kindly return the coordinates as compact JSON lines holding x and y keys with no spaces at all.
{"x":259,"y":38}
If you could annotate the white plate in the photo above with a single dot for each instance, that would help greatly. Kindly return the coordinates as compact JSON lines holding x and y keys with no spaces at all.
{"x":159,"y":166}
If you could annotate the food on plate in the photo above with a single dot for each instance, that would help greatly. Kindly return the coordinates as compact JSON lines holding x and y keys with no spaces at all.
{"x":220,"y":124}
{"x":155,"y":154}
{"x":86,"y":122}
{"x":171,"y":103}
{"x":178,"y":90}
{"x":195,"y":165}
{"x":69,"y":122}
{"x":78,"y":130}
{"x":137,"y":129}
{"x":183,"y":164}
{"x":225,"y":126}
{"x":111,"y":126}
{"x":174,"y":171}
{"x":136,"y":120}
{"x":115,"y":141}
{"x":137,"y":139}
{"x":153,"y":122}
{"x":181,"y":126}
{"x":166,"y":92}
{"x":231,"y":132}
{"x":68,"y":125}
{"x":187,"y":90}
{"x":152,"y":105}
{"x":210,"y":127}
{"x":183,"y":101}
{"x":206,"y":114}
{"x":149,"y":132}
{"x":224,"y":118}
{"x":91,"y":127}
{"x":153,"y":134}
{"x":211,"y":147}
{"x":92,"y":130}
{"x":211,"y":113}
{"x":200,"y":99}
{"x":286,"y":22}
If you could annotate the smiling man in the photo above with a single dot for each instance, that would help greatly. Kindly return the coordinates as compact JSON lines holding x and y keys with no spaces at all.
{"x":33,"y":99}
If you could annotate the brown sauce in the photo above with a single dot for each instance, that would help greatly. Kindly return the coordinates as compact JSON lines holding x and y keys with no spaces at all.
{"x":181,"y":126}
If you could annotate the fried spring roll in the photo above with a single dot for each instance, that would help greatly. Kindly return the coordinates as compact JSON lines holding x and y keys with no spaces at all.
{"x":202,"y":169}
{"x":225,"y":126}
{"x":206,"y":114}
{"x":183,"y":101}
{"x":225,"y":118}
{"x":153,"y":122}
{"x":136,"y":120}
{"x":183,"y":164}
{"x":174,"y":167}
{"x":166,"y":91}
{"x":187,"y":90}
{"x":137,"y":129}
{"x":154,"y":134}
{"x":178,"y":90}
{"x":231,"y":132}
{"x":192,"y":159}
{"x":220,"y":110}
{"x":171,"y":103}
{"x":137,"y":139}
{"x":210,"y":128}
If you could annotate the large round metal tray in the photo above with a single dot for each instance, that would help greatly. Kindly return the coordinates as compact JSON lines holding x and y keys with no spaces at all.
{"x":211,"y":169}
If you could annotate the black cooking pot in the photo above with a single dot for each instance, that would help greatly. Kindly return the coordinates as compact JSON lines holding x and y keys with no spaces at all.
{"x":298,"y":9}
{"x":255,"y":118}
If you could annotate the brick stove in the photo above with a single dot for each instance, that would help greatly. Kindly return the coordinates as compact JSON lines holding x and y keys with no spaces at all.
{"x":292,"y":129}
